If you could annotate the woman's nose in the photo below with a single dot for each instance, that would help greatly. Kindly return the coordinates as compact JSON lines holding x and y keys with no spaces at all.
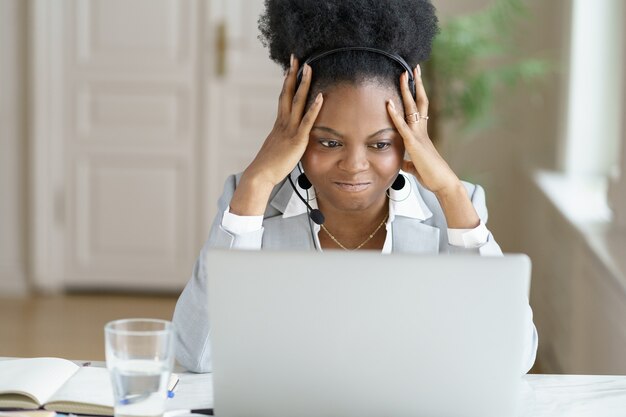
{"x":354,"y":160}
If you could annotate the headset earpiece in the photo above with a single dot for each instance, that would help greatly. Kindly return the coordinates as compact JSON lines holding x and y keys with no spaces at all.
{"x":304,"y":182}
{"x":315,"y":214}
{"x":398,"y":183}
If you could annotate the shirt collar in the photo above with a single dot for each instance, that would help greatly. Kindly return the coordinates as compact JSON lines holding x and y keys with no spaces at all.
{"x":406,"y":202}
{"x":295,"y":206}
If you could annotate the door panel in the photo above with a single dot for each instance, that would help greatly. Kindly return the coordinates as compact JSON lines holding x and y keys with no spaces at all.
{"x":125,"y":134}
{"x":131,"y":142}
{"x":131,"y":221}
{"x":125,"y":113}
{"x":135,"y":33}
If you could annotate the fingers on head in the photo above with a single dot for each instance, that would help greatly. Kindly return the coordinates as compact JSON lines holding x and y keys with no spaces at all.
{"x":289,"y":86}
{"x":407,"y":98}
{"x":398,"y":120}
{"x":299,"y":99}
{"x":420,"y":93}
{"x":309,"y":118}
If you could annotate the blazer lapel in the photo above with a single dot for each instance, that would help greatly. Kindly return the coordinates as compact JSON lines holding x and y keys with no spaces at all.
{"x":410,"y":233}
{"x":280,"y":200}
{"x":292,"y":233}
{"x":413,"y":236}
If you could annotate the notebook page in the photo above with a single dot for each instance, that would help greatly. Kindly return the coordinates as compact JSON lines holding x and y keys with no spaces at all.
{"x":194,"y":391}
{"x":89,"y":386}
{"x":38,"y":377}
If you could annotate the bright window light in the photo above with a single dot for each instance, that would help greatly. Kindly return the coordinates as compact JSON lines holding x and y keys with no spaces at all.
{"x":594,"y":111}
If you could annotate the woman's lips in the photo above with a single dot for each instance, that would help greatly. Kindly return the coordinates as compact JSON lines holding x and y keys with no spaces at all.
{"x":352,"y":187}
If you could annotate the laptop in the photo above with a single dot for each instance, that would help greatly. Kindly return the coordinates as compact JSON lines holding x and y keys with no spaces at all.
{"x":359,"y":334}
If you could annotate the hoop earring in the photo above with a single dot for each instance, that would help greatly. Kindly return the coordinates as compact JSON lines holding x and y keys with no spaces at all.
{"x":407,"y":194}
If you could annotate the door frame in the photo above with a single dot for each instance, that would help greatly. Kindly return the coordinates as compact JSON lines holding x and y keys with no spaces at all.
{"x":45,"y":145}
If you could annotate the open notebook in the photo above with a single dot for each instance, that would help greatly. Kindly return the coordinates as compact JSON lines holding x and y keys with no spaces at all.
{"x":58,"y":385}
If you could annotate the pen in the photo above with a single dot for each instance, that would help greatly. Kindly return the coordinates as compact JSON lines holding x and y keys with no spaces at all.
{"x":174,"y":413}
{"x":205,"y":411}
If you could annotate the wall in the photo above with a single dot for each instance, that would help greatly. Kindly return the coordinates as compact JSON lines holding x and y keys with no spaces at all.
{"x":12,"y":147}
{"x":577,"y":291}
{"x":579,"y":285}
{"x":527,"y":130}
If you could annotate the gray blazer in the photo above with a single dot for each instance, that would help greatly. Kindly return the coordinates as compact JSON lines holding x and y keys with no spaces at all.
{"x":293,"y":233}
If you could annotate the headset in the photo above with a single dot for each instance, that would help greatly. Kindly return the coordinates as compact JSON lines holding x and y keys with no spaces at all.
{"x":314,"y":214}
{"x":304,"y":183}
{"x":395,"y":57}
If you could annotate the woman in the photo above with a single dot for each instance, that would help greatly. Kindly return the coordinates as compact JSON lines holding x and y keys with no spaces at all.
{"x":346,"y":118}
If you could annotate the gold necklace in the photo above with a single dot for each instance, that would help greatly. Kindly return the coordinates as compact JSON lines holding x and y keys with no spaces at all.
{"x":362,"y":243}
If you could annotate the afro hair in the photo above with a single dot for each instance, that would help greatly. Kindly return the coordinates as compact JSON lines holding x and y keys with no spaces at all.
{"x":308,"y":27}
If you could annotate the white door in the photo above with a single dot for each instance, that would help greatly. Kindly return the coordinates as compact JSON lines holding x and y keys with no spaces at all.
{"x":134,"y":132}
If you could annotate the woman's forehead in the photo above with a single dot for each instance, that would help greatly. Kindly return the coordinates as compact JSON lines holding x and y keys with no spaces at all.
{"x":356,"y":107}
{"x":368,"y":89}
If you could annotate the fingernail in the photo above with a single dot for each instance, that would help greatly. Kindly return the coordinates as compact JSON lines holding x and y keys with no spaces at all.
{"x":393,"y":106}
{"x":318,"y":98}
{"x":290,"y":61}
{"x":419,"y":70}
{"x":306,"y":69}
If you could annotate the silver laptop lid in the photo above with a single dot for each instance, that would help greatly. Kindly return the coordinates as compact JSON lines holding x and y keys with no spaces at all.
{"x":364,"y":334}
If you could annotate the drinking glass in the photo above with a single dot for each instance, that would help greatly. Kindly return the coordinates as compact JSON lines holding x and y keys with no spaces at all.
{"x":139,"y":357}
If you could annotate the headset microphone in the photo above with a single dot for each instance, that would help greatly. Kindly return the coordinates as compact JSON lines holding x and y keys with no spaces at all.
{"x":314,"y":214}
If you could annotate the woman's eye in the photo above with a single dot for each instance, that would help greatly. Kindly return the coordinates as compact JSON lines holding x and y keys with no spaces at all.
{"x":329,"y":143}
{"x":381,"y":145}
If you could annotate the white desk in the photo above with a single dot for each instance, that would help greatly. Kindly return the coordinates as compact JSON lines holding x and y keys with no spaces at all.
{"x":574,"y":396}
{"x":544,"y":395}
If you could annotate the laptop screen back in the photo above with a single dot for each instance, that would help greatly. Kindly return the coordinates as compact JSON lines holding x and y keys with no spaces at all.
{"x":365,"y":334}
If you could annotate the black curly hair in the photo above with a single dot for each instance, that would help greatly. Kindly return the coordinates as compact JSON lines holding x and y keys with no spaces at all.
{"x":308,"y":27}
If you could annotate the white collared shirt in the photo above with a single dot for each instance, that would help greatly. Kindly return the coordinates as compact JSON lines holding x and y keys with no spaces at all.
{"x":404,"y":202}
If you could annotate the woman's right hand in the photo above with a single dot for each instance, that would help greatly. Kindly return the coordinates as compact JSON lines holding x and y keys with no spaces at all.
{"x":283,"y":148}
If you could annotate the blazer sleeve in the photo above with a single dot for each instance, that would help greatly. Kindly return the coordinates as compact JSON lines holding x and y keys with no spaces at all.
{"x":191,"y":320}
{"x":222,"y":238}
{"x":191,"y":315}
{"x":490,"y":247}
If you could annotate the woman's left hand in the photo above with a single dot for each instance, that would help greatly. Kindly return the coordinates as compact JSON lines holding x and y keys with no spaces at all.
{"x":425,"y":163}
{"x":431,"y":170}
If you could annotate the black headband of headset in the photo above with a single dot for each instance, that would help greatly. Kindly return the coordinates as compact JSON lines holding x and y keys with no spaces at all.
{"x":389,"y":55}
